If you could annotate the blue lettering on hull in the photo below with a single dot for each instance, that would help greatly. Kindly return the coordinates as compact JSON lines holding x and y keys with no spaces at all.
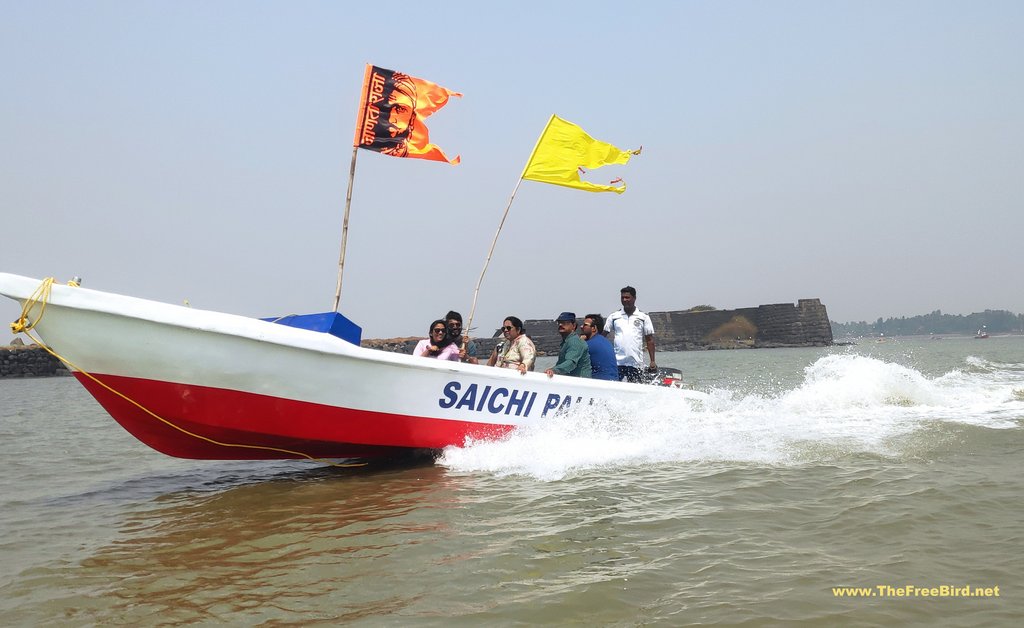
{"x":500,"y":401}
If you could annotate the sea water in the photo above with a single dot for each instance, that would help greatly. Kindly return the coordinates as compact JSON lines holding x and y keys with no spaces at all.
{"x":837,"y":486}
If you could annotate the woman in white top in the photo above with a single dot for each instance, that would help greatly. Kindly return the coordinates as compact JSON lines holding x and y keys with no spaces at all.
{"x":516,"y":351}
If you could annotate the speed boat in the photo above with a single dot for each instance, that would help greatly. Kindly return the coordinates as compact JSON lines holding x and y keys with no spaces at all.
{"x":208,"y":385}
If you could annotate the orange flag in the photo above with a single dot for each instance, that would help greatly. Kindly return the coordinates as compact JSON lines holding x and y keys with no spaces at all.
{"x":392,"y":111}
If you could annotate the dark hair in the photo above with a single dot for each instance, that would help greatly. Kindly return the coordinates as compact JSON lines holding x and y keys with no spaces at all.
{"x":518,"y":324}
{"x":447,"y":340}
{"x":629,"y":289}
{"x":598,"y":321}
{"x":453,"y":314}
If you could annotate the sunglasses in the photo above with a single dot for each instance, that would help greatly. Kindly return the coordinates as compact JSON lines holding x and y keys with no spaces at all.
{"x":508,"y":328}
{"x":439,"y":330}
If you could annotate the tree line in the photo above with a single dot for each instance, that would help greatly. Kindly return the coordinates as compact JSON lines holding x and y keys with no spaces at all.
{"x":992,"y":321}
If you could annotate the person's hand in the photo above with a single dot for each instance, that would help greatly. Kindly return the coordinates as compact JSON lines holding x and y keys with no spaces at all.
{"x":653,"y":368}
{"x":550,"y":372}
{"x":522,"y":368}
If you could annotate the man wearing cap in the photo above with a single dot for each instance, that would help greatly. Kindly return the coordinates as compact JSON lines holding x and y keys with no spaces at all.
{"x":573,"y":356}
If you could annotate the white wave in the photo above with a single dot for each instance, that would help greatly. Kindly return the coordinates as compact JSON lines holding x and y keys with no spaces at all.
{"x":844,"y":404}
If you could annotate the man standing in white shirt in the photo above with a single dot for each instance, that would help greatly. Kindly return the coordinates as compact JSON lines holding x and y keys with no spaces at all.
{"x":632,"y":330}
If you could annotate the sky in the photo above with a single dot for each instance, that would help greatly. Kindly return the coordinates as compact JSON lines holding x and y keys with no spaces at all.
{"x":869,"y":154}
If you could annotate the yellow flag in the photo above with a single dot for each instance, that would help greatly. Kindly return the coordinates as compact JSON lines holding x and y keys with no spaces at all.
{"x":564,"y":148}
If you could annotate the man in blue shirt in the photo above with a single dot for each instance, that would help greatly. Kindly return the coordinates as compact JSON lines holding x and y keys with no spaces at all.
{"x":602,"y":354}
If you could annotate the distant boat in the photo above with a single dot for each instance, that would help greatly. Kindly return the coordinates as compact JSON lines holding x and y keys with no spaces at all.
{"x":982,"y":333}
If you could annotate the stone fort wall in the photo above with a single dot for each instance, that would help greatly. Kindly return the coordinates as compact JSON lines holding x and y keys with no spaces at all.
{"x":805,"y":324}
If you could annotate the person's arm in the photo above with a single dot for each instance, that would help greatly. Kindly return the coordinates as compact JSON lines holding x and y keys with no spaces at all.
{"x":649,"y":337}
{"x":491,"y":361}
{"x":468,"y":359}
{"x":468,"y":352}
{"x":450,"y":353}
{"x":527,"y":354}
{"x":573,"y":354}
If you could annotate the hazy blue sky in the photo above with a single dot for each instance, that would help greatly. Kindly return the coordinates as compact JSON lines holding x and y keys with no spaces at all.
{"x":867,"y":153}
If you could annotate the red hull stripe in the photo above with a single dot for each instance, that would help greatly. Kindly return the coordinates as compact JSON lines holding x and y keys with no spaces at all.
{"x":230,"y":416}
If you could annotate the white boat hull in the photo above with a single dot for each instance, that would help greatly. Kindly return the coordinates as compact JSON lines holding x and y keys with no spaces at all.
{"x":219,"y":386}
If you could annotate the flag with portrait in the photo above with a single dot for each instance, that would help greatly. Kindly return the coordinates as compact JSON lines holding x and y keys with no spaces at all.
{"x":393,"y":109}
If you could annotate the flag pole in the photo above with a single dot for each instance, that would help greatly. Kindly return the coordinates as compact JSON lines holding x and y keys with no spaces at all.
{"x":344,"y":227}
{"x":476,"y":291}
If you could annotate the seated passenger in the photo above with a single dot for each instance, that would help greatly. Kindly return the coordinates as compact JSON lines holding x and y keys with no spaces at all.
{"x":438,"y":345}
{"x":466,"y":353}
{"x":602,"y":355}
{"x":573,"y":356}
{"x":516,"y":351}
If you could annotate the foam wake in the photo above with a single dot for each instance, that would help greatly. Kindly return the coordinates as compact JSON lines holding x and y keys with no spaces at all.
{"x":844,"y":404}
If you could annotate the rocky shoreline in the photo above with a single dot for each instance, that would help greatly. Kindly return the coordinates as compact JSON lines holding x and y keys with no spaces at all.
{"x":19,"y":360}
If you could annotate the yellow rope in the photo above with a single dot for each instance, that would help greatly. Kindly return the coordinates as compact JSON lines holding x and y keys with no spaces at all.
{"x":42,"y":293}
{"x":22,"y":325}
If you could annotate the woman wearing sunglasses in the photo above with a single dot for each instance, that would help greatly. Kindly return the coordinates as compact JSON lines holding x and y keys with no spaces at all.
{"x":438,"y":344}
{"x":516,"y":351}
